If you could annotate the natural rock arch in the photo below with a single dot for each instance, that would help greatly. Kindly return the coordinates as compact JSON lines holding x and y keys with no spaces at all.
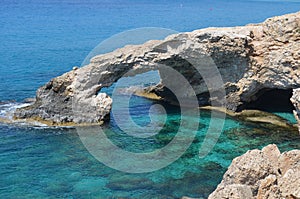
{"x":249,"y":58}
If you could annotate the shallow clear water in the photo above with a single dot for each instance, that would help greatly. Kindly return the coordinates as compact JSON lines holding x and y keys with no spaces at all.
{"x":42,"y":39}
{"x":43,"y":162}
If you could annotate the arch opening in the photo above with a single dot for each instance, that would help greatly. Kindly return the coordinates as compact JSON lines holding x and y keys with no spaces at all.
{"x":129,"y":84}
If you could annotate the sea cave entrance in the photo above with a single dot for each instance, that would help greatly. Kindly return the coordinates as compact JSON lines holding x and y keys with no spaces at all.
{"x":272,"y":100}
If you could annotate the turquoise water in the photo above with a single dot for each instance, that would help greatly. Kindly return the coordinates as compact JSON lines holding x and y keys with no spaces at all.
{"x":45,"y":163}
{"x":42,"y":39}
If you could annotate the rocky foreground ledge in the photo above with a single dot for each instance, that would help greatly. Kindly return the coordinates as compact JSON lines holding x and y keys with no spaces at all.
{"x":260,"y":174}
{"x":251,"y":59}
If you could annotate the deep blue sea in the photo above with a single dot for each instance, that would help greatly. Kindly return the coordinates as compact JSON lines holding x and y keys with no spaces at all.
{"x":40,"y":40}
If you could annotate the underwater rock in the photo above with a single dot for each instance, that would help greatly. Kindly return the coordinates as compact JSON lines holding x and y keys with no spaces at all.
{"x":250,"y":59}
{"x":261,"y":119}
{"x":265,"y":173}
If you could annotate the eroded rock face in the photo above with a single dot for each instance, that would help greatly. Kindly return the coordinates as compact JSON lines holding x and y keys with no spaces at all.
{"x":262,"y":174}
{"x":296,"y":102}
{"x":249,"y":58}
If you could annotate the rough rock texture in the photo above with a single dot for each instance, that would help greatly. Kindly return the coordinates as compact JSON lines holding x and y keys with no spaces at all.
{"x":296,"y":102}
{"x":250,"y":59}
{"x":262,"y":174}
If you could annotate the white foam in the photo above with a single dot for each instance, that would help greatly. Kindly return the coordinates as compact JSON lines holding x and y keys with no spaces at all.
{"x":7,"y":109}
{"x":7,"y":112}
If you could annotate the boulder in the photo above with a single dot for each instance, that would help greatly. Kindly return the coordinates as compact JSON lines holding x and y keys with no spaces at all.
{"x":262,"y":174}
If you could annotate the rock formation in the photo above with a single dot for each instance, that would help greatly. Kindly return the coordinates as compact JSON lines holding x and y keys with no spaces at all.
{"x":296,"y":101}
{"x":251,"y":59}
{"x":260,"y":174}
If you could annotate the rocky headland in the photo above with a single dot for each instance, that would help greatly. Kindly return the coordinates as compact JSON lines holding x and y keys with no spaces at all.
{"x":252,"y":60}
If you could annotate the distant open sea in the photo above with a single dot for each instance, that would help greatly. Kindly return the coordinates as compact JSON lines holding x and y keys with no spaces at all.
{"x":41,"y":39}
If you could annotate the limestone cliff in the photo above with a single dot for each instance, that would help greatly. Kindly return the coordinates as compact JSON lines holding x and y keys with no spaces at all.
{"x":251,"y":59}
{"x":259,"y":174}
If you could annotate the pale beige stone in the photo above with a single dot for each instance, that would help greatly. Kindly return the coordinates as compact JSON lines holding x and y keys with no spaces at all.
{"x":266,"y":173}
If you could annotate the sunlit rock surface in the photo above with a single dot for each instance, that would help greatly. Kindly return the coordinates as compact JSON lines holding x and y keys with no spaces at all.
{"x":265,"y":173}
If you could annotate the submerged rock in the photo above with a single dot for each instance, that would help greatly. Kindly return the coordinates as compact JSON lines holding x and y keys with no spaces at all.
{"x":265,"y":173}
{"x":260,"y":118}
{"x":250,"y":59}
